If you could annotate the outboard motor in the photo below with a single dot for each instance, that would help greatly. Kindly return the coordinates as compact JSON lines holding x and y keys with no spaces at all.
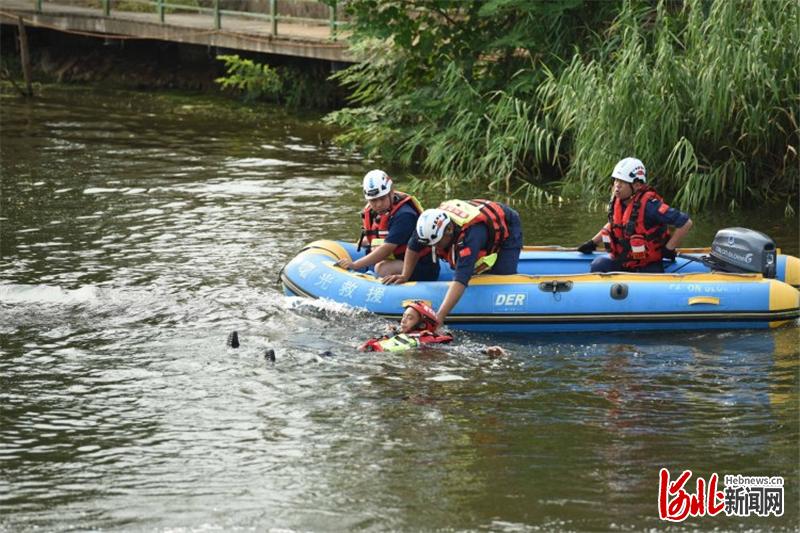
{"x":742,"y":250}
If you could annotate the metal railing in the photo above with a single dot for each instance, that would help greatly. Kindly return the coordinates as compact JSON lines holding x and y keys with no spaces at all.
{"x":163,"y":8}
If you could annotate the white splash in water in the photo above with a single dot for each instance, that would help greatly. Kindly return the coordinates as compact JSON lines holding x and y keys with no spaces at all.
{"x":447,"y":377}
{"x":46,"y":294}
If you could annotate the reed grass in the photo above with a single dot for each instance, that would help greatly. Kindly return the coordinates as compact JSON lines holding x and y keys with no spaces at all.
{"x":708,"y":101}
{"x":706,"y":93}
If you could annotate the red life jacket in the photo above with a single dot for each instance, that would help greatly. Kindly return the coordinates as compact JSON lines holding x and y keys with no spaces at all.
{"x":630,"y":239}
{"x":376,"y":226}
{"x":404,"y":341}
{"x":492,"y":215}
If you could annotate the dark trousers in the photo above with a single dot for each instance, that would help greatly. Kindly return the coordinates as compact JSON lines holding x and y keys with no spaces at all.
{"x":426,"y":270}
{"x":604,"y":263}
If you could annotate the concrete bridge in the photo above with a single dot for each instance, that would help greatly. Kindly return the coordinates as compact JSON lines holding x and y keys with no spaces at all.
{"x":299,"y":28}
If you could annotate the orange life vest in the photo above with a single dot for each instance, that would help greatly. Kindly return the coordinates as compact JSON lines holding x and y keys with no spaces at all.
{"x":492,"y":215}
{"x":376,"y":226}
{"x":628,"y":237}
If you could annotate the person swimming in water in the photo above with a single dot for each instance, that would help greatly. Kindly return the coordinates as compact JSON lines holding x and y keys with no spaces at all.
{"x":417,"y":328}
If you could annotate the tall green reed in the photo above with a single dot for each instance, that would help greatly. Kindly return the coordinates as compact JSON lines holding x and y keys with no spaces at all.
{"x":706,"y":93}
{"x":707,"y":101}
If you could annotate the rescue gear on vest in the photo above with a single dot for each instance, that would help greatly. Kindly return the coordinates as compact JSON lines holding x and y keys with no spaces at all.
{"x":404,"y":341}
{"x":466,"y":214}
{"x":375,"y":226}
{"x":628,"y":237}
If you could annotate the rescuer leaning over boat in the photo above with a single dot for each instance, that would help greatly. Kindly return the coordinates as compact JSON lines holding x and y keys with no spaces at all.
{"x":474,"y":237}
{"x":636,"y":236}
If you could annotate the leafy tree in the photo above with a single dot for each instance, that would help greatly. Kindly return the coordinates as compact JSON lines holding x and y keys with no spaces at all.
{"x":544,"y":96}
{"x":250,"y":78}
{"x":448,"y":85}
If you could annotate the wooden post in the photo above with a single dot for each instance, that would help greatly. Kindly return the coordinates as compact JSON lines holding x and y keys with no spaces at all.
{"x":333,"y":21}
{"x":273,"y":11}
{"x":217,"y":19}
{"x":24,"y":56}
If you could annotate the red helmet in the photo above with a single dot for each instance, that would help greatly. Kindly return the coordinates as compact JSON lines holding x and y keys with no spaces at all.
{"x":429,"y":320}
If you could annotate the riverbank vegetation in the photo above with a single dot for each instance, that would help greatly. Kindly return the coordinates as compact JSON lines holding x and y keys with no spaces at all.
{"x":540,"y":99}
{"x":296,"y":87}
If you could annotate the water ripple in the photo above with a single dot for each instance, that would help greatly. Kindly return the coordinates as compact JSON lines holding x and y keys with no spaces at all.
{"x":137,"y":241}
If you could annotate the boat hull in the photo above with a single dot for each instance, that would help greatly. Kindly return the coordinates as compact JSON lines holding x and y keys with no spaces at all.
{"x":538,"y":301}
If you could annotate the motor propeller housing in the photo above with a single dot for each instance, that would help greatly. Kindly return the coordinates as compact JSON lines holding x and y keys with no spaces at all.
{"x":742,"y":250}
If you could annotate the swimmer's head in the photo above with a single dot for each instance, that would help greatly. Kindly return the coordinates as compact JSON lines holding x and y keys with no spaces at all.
{"x":418,"y":316}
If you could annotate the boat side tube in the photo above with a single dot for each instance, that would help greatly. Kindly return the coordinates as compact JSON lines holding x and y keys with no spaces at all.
{"x":547,"y":303}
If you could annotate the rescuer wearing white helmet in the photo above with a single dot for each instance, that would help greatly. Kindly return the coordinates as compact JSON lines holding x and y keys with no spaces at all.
{"x":388,"y":221}
{"x":474,"y":236}
{"x":636,"y":236}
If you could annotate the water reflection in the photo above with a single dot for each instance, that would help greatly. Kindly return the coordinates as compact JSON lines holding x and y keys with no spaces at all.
{"x":132,"y":241}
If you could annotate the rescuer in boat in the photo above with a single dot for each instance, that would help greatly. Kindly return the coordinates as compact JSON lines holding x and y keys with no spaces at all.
{"x":417,"y":328}
{"x":388,"y":221}
{"x":636,"y":235}
{"x":476,"y":236}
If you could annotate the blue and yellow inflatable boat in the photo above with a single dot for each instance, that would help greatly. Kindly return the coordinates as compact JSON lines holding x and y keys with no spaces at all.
{"x":554,"y":292}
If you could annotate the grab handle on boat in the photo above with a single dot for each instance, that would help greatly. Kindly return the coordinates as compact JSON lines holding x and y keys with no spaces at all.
{"x":712,"y":300}
{"x":555,"y":286}
{"x":619,"y":291}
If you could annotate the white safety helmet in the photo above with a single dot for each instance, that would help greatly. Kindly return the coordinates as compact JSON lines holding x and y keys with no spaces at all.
{"x":376,"y":184}
{"x":630,"y":169}
{"x":431,"y":225}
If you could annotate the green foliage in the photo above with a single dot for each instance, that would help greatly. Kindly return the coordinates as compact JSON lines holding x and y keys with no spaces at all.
{"x":707,"y":100}
{"x":449,"y":86}
{"x":455,"y":95}
{"x":307,"y":87}
{"x":542,"y":98}
{"x":151,"y":6}
{"x":248,"y":77}
{"x":294,"y":87}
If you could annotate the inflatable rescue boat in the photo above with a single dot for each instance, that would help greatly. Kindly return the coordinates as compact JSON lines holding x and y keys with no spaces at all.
{"x":742,"y":281}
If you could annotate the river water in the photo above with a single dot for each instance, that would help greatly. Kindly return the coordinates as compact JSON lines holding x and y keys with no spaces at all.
{"x":138,"y":230}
